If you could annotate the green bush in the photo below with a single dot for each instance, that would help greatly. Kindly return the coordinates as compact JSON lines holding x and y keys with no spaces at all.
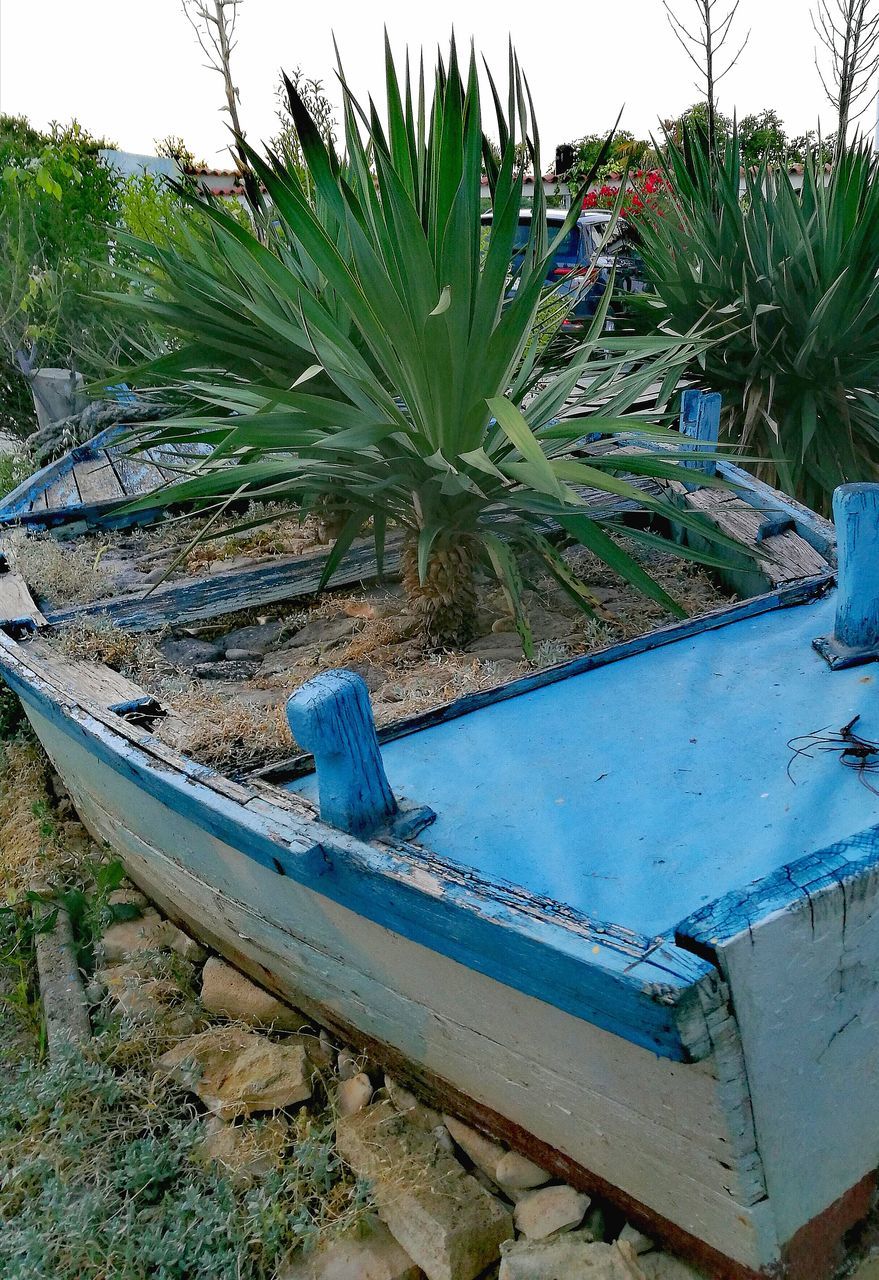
{"x":386,"y":353}
{"x":785,"y":285}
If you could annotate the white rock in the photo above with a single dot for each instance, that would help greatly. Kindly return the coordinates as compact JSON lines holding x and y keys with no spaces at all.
{"x":354,"y":1094}
{"x":639,"y":1242}
{"x":236,"y":1072}
{"x":663,"y":1266}
{"x":449,"y":1225}
{"x":128,"y":896}
{"x":518,"y":1173}
{"x":246,"y":1151}
{"x":567,"y":1257}
{"x":541,"y":1213}
{"x":348,"y":1064}
{"x":416,"y":1112}
{"x":484,"y":1153}
{"x":229,"y":994}
{"x":373,"y":1254}
{"x":129,"y":938}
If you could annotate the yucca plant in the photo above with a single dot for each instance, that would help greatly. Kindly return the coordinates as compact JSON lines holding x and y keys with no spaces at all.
{"x":382,"y":353}
{"x":785,"y":284}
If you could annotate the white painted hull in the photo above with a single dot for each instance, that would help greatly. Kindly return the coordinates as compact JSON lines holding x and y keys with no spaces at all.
{"x":674,"y":1137}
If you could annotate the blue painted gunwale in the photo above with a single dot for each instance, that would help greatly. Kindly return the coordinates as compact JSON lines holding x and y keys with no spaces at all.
{"x":639,"y":791}
{"x":838,"y":866}
{"x":638,"y":988}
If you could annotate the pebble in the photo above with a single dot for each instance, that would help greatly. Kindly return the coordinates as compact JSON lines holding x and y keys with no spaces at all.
{"x":549,"y":1209}
{"x":188,"y":653}
{"x":348,"y":1064}
{"x":354,"y":1094}
{"x":639,"y":1242}
{"x":484,"y":1153}
{"x":568,"y":1257}
{"x":416,"y":1112}
{"x":519,"y":1173}
{"x":371,"y":1254}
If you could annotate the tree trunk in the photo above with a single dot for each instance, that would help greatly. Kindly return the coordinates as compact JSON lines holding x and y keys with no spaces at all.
{"x":445,"y":602}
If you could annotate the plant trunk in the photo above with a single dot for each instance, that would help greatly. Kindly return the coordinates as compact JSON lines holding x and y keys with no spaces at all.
{"x":445,"y":602}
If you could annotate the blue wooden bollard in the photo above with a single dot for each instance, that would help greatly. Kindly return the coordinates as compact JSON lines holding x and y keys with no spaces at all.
{"x":855,"y":636}
{"x":330,"y":716}
{"x":700,"y":420}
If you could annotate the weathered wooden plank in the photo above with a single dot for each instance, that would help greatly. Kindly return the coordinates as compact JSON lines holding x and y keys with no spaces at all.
{"x":213,"y":595}
{"x":789,"y":557}
{"x":62,"y":491}
{"x":617,"y":1108}
{"x":90,"y":682}
{"x":800,"y":951}
{"x":16,"y":602}
{"x":96,"y":479}
{"x":137,"y":475}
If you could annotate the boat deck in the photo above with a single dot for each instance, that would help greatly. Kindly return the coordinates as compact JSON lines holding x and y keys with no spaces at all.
{"x":637,"y":792}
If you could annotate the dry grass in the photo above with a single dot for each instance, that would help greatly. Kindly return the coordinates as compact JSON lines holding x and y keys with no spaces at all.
{"x":33,"y":849}
{"x":100,"y":640}
{"x":227,"y":733}
{"x":69,"y":571}
{"x":285,"y":535}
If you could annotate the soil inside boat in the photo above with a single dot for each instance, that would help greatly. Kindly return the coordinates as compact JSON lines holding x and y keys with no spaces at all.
{"x":227,"y":681}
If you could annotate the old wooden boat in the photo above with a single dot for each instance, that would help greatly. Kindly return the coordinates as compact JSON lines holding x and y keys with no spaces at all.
{"x":91,"y":482}
{"x":621,"y":912}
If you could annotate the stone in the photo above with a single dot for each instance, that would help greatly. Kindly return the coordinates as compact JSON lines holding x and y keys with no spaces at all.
{"x":226,"y":992}
{"x":549,"y":1209}
{"x":663,"y":1266}
{"x":188,"y":653}
{"x":283,"y":661}
{"x":498,"y":647}
{"x":348,"y":1064}
{"x":243,"y":655}
{"x":150,"y":932}
{"x":128,"y":897}
{"x":449,"y":1225}
{"x":236,"y":1072}
{"x":416,"y":1112}
{"x":324,"y":631}
{"x":246,"y":1151}
{"x":568,"y":1257}
{"x":515,"y":1172}
{"x":354,"y":1094}
{"x":484,"y":1153}
{"x":373,"y":1254}
{"x":257,"y":638}
{"x":222,"y":669}
{"x":639,"y":1242}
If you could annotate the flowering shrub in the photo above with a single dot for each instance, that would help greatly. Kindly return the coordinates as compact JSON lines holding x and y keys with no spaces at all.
{"x":646,"y":191}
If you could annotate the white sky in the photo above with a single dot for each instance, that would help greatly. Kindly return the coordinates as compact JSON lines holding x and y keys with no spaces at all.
{"x":131,"y":70}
